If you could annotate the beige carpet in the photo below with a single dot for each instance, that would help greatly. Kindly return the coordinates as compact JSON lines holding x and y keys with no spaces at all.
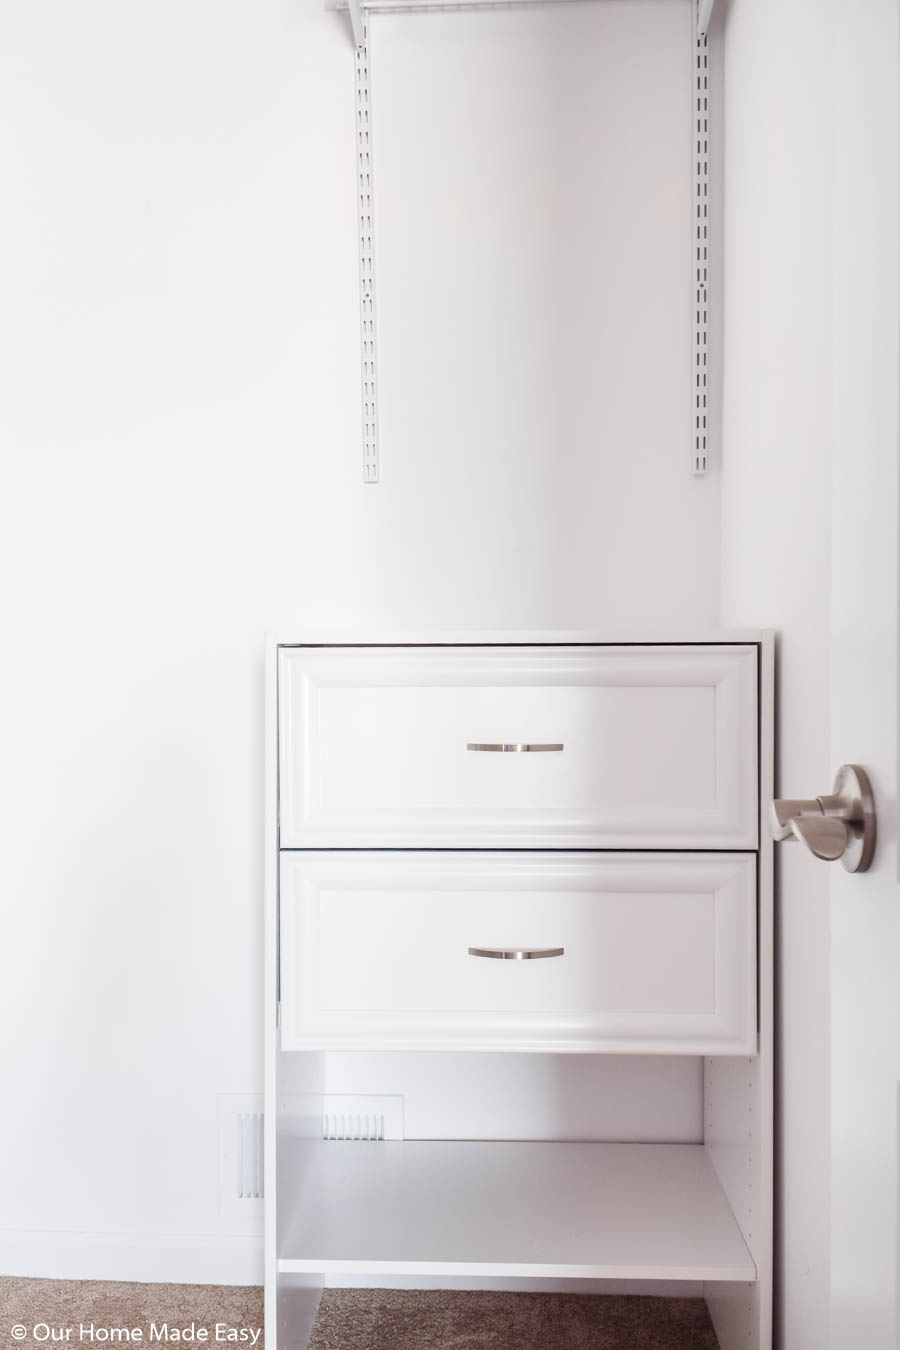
{"x":354,"y":1319}
{"x":61,"y":1304}
{"x":385,"y":1319}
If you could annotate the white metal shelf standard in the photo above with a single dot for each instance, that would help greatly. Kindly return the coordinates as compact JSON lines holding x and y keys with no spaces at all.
{"x":700,"y":459}
{"x":358,"y":10}
{"x":366,"y":248}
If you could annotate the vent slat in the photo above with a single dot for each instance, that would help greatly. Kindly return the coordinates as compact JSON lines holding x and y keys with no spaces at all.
{"x":355,"y":1126}
{"x":250,"y":1155}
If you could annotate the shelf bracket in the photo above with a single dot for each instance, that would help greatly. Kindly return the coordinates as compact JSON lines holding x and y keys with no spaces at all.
{"x":358,"y":23}
{"x":704,"y":14}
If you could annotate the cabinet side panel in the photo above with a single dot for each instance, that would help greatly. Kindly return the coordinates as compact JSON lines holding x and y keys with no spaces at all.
{"x":735,"y":1313}
{"x":738,"y":1098}
{"x":291,"y":1300}
{"x":733,"y":1126}
{"x":297,"y":1301}
{"x":270,"y":983}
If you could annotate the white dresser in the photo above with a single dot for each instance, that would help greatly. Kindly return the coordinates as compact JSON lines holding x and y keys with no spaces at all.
{"x":518,"y":843}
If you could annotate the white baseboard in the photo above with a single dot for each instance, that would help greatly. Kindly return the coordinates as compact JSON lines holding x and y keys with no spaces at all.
{"x":144,"y":1258}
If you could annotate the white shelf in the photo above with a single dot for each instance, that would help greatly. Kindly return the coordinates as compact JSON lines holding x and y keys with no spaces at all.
{"x":583,"y":1210}
{"x":704,"y":7}
{"x":418,"y":6}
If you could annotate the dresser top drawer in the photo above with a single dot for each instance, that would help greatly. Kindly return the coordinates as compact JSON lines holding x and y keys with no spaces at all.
{"x":506,"y":747}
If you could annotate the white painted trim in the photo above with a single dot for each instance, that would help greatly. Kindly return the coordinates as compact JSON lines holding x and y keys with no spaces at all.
{"x":145,"y":1258}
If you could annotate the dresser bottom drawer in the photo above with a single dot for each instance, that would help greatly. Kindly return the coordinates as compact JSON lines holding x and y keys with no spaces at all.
{"x":528,"y":951}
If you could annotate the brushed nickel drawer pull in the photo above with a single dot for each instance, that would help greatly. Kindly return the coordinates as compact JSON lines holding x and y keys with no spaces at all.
{"x":517,"y":953}
{"x":510,"y":748}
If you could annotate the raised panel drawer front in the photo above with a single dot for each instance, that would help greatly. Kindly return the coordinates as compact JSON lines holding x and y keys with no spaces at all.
{"x":518,"y":747}
{"x":650,"y":954}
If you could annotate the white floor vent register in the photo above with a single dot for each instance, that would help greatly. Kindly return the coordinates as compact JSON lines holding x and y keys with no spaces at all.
{"x":241,"y":1155}
{"x":362,"y":1118}
{"x":250,"y":1168}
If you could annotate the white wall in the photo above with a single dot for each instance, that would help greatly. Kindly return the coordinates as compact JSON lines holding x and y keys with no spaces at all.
{"x":534,"y":292}
{"x":180,"y":421}
{"x":776,"y":555}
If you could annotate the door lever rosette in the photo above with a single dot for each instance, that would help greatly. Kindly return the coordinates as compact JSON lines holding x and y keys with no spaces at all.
{"x":839,"y":825}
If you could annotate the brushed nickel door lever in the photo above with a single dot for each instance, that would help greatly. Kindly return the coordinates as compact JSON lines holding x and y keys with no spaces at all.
{"x":840,"y":824}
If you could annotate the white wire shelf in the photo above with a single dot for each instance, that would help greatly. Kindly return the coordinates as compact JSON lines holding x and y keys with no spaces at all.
{"x":704,"y":7}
